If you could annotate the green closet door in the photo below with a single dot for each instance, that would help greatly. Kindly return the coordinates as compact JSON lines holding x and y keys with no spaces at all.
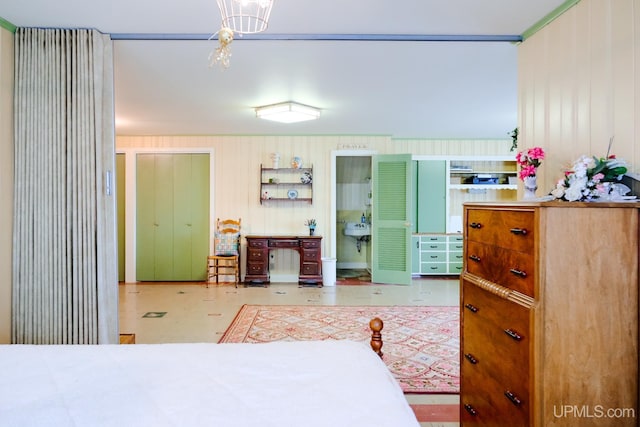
{"x":172,"y":216}
{"x":120,"y":194}
{"x":432,"y":183}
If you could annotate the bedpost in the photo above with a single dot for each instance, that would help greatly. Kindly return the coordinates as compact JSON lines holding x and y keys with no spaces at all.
{"x":376,"y":326}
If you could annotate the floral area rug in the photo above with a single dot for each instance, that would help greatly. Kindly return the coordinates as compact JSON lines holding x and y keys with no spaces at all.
{"x":421,"y":345}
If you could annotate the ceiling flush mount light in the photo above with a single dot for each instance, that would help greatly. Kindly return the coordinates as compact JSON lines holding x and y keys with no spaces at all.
{"x":288,"y":112}
{"x":241,"y":17}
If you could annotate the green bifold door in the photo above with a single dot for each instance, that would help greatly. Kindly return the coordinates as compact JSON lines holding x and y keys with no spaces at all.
{"x":172,"y":217}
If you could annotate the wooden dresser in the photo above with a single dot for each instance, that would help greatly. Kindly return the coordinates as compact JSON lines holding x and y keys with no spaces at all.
{"x":549,"y":322}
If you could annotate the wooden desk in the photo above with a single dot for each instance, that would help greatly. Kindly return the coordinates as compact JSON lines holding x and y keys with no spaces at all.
{"x":257,"y":259}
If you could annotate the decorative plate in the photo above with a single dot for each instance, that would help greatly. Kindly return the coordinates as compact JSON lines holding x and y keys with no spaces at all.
{"x":306,"y":178}
{"x":292,"y":194}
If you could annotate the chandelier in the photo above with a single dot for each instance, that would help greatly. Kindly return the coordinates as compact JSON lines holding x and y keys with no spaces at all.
{"x":241,"y":17}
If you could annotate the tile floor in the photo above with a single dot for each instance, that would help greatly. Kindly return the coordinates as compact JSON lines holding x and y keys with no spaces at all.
{"x":195,"y":312}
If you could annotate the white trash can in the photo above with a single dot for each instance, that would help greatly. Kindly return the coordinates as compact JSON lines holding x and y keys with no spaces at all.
{"x":329,"y":271}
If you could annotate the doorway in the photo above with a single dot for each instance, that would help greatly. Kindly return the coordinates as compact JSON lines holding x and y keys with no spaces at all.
{"x":353,"y":216}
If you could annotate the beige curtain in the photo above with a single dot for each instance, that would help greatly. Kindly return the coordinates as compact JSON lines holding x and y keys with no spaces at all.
{"x":64,"y":243}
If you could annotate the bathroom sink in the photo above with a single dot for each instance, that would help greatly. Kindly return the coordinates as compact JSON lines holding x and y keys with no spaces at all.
{"x":357,"y":229}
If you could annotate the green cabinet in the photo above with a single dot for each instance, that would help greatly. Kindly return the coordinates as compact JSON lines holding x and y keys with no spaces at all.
{"x":415,"y":254}
{"x":437,"y":254}
{"x":172,"y":224}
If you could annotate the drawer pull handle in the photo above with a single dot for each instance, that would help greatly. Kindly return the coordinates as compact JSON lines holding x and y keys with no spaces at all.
{"x":471,"y":359}
{"x":513,"y":398}
{"x":471,"y":308}
{"x":519,"y":273}
{"x":475,"y":225}
{"x":470,"y":409}
{"x":475,"y":258}
{"x":434,"y":256}
{"x":433,"y":246}
{"x":520,"y":231}
{"x":516,"y":336}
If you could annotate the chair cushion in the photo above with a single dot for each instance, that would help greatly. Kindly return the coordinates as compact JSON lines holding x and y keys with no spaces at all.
{"x":226,"y":244}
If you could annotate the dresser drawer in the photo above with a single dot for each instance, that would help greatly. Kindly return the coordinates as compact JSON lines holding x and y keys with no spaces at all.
{"x":484,"y":402}
{"x":511,"y":269}
{"x":498,"y":327}
{"x":504,"y":364}
{"x":505,"y":228}
{"x":495,"y":367}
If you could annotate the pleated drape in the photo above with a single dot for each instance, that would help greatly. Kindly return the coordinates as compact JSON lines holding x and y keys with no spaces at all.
{"x":64,"y":242}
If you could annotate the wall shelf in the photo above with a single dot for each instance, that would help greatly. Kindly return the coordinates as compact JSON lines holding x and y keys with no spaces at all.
{"x":286,"y":185}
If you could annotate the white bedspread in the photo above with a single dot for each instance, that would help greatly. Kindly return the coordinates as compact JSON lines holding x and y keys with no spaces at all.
{"x":283,"y":384}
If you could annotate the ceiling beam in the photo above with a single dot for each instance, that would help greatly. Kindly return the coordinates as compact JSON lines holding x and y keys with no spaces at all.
{"x":328,"y":37}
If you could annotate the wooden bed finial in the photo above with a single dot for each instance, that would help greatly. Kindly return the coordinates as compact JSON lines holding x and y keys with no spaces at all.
{"x":376,"y":326}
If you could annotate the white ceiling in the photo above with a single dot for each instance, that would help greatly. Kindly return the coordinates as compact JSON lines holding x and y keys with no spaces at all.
{"x":406,"y":89}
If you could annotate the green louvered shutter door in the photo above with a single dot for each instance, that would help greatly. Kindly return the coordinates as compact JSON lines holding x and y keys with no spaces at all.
{"x":391,"y":224}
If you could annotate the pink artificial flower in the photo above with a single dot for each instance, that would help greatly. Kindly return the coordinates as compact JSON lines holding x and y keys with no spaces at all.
{"x":536,"y":153}
{"x":528,"y":170}
{"x":597,"y":177}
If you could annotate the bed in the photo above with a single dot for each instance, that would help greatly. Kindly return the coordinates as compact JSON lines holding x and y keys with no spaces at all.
{"x":304,"y":383}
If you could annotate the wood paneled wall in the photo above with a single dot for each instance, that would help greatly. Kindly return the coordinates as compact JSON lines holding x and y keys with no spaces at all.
{"x":235,"y":178}
{"x":578,"y":86}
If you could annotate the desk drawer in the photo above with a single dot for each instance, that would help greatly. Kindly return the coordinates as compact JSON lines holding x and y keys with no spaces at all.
{"x":310,"y":243}
{"x":257,"y":243}
{"x":284,"y":243}
{"x":257,"y":255}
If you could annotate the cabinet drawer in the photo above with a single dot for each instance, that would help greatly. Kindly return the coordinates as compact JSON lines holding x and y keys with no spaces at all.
{"x":511,"y":269}
{"x":440,"y":238}
{"x":508,"y":229}
{"x":433,"y":268}
{"x":455,"y":268}
{"x":433,"y":257}
{"x":455,"y":246}
{"x":433,"y":246}
{"x":455,"y":238}
{"x":455,"y":257}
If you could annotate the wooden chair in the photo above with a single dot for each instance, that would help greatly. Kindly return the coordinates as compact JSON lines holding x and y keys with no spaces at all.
{"x":225,"y":260}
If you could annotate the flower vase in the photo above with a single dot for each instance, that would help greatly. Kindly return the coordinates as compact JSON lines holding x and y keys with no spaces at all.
{"x":312,"y":231}
{"x":530,"y":187}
